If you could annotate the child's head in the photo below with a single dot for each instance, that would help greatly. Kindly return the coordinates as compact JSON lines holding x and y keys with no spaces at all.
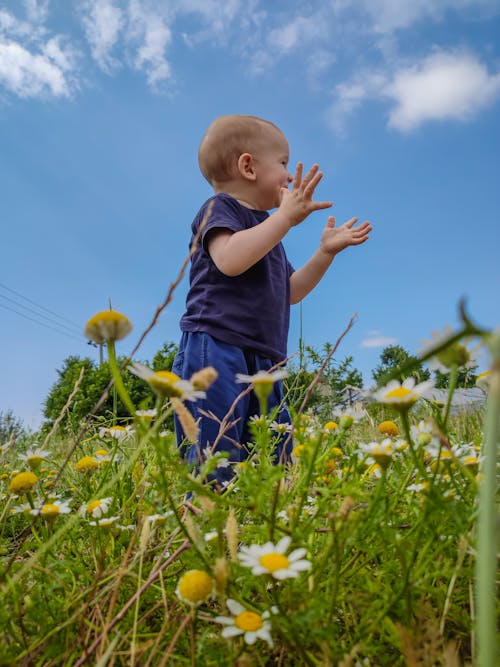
{"x":227,"y":138}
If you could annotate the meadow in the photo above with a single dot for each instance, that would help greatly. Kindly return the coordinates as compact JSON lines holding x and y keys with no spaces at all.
{"x":374,"y":546}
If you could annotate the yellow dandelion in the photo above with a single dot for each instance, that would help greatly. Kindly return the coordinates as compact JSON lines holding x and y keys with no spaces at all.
{"x":23,"y":482}
{"x":195,"y":587}
{"x":86,"y":464}
{"x":388,"y":428}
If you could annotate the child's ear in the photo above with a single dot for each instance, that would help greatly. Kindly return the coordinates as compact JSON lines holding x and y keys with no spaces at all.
{"x":246,"y":166}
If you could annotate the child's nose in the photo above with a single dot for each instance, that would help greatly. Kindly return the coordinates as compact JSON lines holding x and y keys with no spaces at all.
{"x":289,"y":177}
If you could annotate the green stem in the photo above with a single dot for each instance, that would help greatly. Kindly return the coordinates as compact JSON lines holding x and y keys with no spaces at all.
{"x":115,"y":371}
{"x":451,"y":389}
{"x":486,"y":621}
{"x":417,"y":460}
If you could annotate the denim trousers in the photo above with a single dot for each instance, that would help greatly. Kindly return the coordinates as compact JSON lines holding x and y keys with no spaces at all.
{"x":198,"y":350}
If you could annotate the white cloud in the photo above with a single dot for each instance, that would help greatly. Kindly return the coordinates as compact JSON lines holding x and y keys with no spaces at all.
{"x":378,"y":341}
{"x":387,"y":16}
{"x":151,"y":34}
{"x":33,"y":74}
{"x":300,"y":30}
{"x":37,"y":10}
{"x":102,"y":21}
{"x":444,"y":86}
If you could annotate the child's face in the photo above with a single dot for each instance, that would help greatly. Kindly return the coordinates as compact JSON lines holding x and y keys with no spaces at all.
{"x":271,"y":166}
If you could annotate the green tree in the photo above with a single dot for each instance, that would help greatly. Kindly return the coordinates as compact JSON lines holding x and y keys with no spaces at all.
{"x":95,"y":380}
{"x":334,"y":378}
{"x":11,"y":428}
{"x":466,"y":378}
{"x":394,"y":357}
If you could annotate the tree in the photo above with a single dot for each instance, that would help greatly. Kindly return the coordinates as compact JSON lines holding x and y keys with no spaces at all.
{"x":394,"y":357}
{"x":334,"y":378}
{"x":11,"y":428}
{"x":95,"y":380}
{"x":466,"y":378}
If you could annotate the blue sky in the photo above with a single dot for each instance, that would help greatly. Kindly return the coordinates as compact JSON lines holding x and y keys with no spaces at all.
{"x":102,"y":107}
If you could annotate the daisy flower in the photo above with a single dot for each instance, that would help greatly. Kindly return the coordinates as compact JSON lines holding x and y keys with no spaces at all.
{"x":34,"y":457}
{"x":195,"y":587}
{"x":272,"y":559}
{"x":166,"y":384}
{"x":380,"y":452}
{"x":262,"y":377}
{"x":250,"y":624}
{"x":115,"y":432}
{"x":107,"y":325}
{"x":262,"y":383}
{"x":281,"y":427}
{"x":208,"y":455}
{"x":96,"y":508}
{"x":402,"y":395}
{"x":423,"y":434}
{"x":346,"y":417}
{"x":456,"y":354}
{"x":146,"y":414}
{"x":52,"y":509}
{"x":104,"y":522}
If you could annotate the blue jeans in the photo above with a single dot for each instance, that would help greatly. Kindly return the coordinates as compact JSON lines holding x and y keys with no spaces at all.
{"x":198,"y":350}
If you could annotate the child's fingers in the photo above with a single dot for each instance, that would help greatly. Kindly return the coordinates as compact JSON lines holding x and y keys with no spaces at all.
{"x":297,"y":179}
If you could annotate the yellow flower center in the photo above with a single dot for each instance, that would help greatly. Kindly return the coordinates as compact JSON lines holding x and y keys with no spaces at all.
{"x":117,"y":428}
{"x":93,"y":505}
{"x":399,"y":392}
{"x":298,"y":451}
{"x":34,"y":460}
{"x":107,"y":325}
{"x":101,"y":452}
{"x":86,"y":463}
{"x":274,"y":561}
{"x":248,"y":621}
{"x":331,"y":426}
{"x":163,"y":382}
{"x":23,"y":482}
{"x":50,"y":509}
{"x":388,"y":428}
{"x":195,"y":586}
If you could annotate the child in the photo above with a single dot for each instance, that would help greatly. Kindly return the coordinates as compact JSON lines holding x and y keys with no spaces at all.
{"x":241,"y":283}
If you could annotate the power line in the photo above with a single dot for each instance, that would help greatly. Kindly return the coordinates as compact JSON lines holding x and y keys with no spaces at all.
{"x":47,"y":310}
{"x":45,"y":317}
{"x":43,"y":324}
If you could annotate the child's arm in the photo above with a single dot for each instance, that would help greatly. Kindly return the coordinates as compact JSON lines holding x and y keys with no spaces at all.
{"x":235,"y":252}
{"x":333,"y":240}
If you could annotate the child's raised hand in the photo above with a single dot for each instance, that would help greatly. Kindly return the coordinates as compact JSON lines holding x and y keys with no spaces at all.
{"x":297,"y":203}
{"x":334,"y":239}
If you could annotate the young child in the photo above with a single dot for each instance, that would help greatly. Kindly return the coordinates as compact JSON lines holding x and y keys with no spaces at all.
{"x":241,"y":283}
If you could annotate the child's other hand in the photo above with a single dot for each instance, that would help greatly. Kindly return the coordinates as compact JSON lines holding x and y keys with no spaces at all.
{"x":334,"y":239}
{"x":297,"y":203}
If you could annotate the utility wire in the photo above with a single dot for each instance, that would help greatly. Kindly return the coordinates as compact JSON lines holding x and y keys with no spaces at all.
{"x":43,"y":324}
{"x":45,"y":317}
{"x":47,"y":310}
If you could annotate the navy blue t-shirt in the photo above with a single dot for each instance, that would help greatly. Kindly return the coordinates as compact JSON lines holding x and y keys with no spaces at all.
{"x":251,"y":310}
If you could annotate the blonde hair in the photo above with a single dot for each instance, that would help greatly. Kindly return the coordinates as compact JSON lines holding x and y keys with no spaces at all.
{"x":226,"y":139}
